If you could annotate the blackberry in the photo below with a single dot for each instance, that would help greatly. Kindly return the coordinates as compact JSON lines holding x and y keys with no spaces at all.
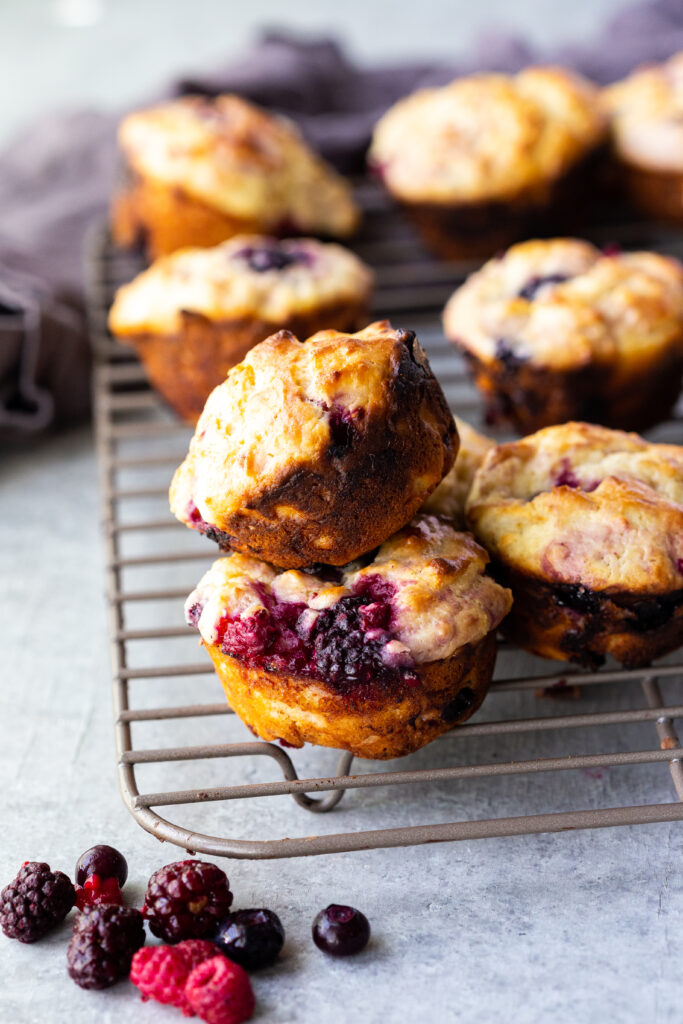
{"x":186,"y":900}
{"x":102,"y":945}
{"x":251,"y":938}
{"x":35,"y":902}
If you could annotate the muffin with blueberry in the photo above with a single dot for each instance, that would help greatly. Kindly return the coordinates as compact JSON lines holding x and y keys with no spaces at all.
{"x":198,"y":171}
{"x":585,"y":525}
{"x":377,"y":657}
{"x":646,"y":111}
{"x":490,"y":158}
{"x":193,"y":315}
{"x":317,"y":451}
{"x":556,"y":330}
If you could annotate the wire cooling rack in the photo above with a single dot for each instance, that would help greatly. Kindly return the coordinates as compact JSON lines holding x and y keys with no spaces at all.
{"x":458,"y":787}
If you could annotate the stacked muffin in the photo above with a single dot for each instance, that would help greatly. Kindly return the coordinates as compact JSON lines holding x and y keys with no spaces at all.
{"x":340,"y":617}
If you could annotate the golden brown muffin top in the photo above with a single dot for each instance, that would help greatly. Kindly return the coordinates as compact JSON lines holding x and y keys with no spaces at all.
{"x":563,"y":304}
{"x":450,"y":497}
{"x":277,"y":411}
{"x":237,"y":158}
{"x":441,"y":598}
{"x":583,"y":504}
{"x":647,"y":115}
{"x":247,"y":276}
{"x":486,"y":136}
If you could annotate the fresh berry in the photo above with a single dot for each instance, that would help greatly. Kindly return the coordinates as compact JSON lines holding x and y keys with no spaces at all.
{"x":98,"y":890}
{"x":341,"y":931}
{"x":35,"y":902}
{"x":160,"y":972}
{"x":220,"y":992}
{"x":187,"y":900}
{"x":102,"y":945}
{"x":104,"y":861}
{"x":251,"y":938}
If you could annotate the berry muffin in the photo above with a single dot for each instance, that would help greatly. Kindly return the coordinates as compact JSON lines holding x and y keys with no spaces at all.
{"x":317,"y":451}
{"x":646,"y":112}
{"x":196,"y":313}
{"x":450,"y":497}
{"x":585,"y":525}
{"x":378,"y":657}
{"x":556,"y":330}
{"x":490,"y":157}
{"x":198,"y":171}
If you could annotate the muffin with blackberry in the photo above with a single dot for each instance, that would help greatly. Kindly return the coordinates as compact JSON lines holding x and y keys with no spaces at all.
{"x":646,"y":111}
{"x":196,"y":313}
{"x":378,"y":657}
{"x":317,"y":451}
{"x":556,"y":330}
{"x":585,"y":525}
{"x":490,"y":157}
{"x":198,"y":171}
{"x":450,"y":497}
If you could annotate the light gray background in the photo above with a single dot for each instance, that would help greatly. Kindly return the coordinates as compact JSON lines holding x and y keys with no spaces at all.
{"x":576,"y":928}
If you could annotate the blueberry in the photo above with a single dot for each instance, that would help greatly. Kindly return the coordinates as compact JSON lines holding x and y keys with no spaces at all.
{"x":533,"y":285}
{"x":104,"y":861}
{"x":341,"y":931}
{"x":251,"y":938}
{"x":270,"y":257}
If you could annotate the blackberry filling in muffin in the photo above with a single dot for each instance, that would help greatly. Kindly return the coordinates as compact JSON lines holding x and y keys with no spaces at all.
{"x":194,"y":315}
{"x":376,"y":658}
{"x":317,"y":451}
{"x":586,"y":527}
{"x":557,"y":330}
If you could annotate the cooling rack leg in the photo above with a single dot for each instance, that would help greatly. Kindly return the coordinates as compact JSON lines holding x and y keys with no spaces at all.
{"x":668,"y":738}
{"x":321,"y":804}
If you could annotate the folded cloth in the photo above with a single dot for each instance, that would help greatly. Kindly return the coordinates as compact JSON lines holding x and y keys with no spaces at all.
{"x":56,"y":177}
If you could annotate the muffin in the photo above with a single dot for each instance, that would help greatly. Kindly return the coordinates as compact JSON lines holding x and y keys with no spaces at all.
{"x":556,"y":330}
{"x":317,"y":451}
{"x":196,"y":313}
{"x":450,"y":497}
{"x":646,"y":112}
{"x":378,"y":657}
{"x":585,"y":525}
{"x":198,"y":171}
{"x":490,"y":158}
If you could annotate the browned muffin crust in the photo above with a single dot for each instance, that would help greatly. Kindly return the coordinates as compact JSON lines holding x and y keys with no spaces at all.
{"x":369,"y":722}
{"x":186,"y":366}
{"x":354,"y":433}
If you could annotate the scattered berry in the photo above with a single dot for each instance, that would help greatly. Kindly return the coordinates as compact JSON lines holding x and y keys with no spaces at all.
{"x":160,"y":972}
{"x":341,"y":931}
{"x":251,"y":938}
{"x":102,"y":945}
{"x":35,"y":902}
{"x":187,"y":900}
{"x":104,"y":861}
{"x":97,"y":891}
{"x":220,"y":992}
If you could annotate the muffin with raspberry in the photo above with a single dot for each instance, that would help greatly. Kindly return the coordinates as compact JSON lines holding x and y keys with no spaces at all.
{"x":199,"y":170}
{"x":646,"y":111}
{"x":556,"y":330}
{"x":490,"y":157}
{"x":377,"y":657}
{"x":193,"y":315}
{"x":317,"y":451}
{"x":450,"y":497}
{"x":585,"y":525}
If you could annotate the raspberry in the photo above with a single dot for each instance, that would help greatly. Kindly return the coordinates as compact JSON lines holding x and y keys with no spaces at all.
{"x":219,"y":991}
{"x":35,"y":902}
{"x":160,"y":972}
{"x":186,"y":900}
{"x":96,"y":891}
{"x":102,"y":945}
